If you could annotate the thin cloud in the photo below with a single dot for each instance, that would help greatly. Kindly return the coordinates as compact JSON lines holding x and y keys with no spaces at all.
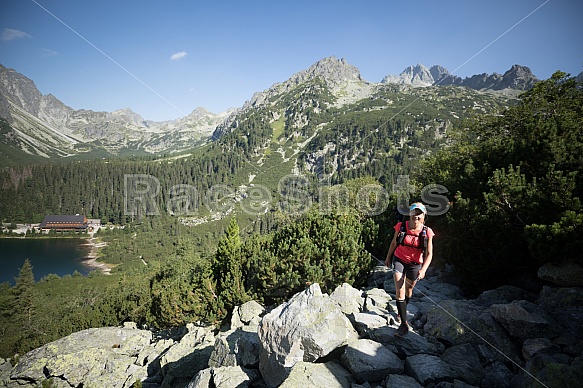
{"x":179,"y":55}
{"x":49,"y":52}
{"x":10,"y":34}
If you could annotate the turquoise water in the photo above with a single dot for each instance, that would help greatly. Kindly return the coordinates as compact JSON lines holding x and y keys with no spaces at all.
{"x":59,"y":256}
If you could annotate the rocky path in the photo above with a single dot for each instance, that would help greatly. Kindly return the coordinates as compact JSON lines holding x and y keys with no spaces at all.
{"x":507,"y":337}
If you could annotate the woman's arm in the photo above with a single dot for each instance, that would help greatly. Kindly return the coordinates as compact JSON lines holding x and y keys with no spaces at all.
{"x":392,"y":248}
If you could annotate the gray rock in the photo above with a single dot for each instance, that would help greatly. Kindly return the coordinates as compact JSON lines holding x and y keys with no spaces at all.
{"x":497,"y":375}
{"x":550,"y":370}
{"x":348,"y":298}
{"x":236,"y":348}
{"x":203,"y":379}
{"x":564,"y":305}
{"x":408,"y":345}
{"x":377,"y":301}
{"x":401,"y":381}
{"x":502,"y":295}
{"x":364,"y":322}
{"x":309,"y":326}
{"x":223,"y":377}
{"x":535,"y":346}
{"x":186,"y":358}
{"x":246,"y":313}
{"x":435,"y":291}
{"x":464,"y":360}
{"x":456,"y":322}
{"x":524,"y":320}
{"x":233,"y":376}
{"x":428,"y":369}
{"x":565,"y":275}
{"x":368,"y":360}
{"x":92,"y":356}
{"x":306,"y":374}
{"x":379,"y":275}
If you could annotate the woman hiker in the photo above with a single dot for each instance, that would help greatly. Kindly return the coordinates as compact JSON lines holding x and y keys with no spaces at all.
{"x":410,"y":254}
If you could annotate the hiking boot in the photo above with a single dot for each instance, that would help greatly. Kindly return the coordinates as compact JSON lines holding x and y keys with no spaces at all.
{"x":403,"y":329}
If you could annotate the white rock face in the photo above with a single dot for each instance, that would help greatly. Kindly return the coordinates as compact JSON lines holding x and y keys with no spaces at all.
{"x":309,"y":326}
{"x":416,"y":76}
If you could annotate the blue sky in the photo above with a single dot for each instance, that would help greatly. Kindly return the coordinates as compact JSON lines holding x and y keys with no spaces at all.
{"x":163,"y":59}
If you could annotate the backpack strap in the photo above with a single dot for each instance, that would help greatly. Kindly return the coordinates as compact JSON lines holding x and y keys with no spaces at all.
{"x":423,"y":238}
{"x":402,"y":233}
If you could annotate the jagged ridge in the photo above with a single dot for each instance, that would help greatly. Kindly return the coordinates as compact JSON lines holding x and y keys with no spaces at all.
{"x":517,"y":78}
{"x":43,"y":125}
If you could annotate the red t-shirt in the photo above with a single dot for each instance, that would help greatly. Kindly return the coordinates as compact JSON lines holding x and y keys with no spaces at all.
{"x":409,"y":252}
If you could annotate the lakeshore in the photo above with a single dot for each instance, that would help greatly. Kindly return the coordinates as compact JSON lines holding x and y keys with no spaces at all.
{"x":92,"y":256}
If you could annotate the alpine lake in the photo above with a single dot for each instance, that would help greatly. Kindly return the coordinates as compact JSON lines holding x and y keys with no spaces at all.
{"x":60,"y":256}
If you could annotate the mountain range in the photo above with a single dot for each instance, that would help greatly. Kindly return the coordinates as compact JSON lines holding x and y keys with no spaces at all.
{"x":34,"y":127}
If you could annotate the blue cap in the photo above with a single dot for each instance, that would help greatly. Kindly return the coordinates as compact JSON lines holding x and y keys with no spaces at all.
{"x":419,"y":206}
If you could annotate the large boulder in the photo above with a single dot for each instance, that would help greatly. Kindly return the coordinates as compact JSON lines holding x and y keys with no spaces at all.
{"x":504,"y":294}
{"x":185,"y":359}
{"x":456,"y":322}
{"x":224,"y":377}
{"x":497,"y":374}
{"x":349,"y":299}
{"x":404,"y":346}
{"x":91,"y":358}
{"x":329,"y":375}
{"x":309,"y":326}
{"x":370,"y":361}
{"x":564,"y":305}
{"x":238,"y":347}
{"x":428,"y":369}
{"x":534,"y":346}
{"x":248,"y":314}
{"x":401,"y":381}
{"x":465,"y":361}
{"x":565,"y":275}
{"x":364,"y":322}
{"x":550,"y":371}
{"x":524,"y":320}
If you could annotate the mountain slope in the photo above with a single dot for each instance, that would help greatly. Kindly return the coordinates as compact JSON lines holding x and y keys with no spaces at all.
{"x":329,"y":121}
{"x":291,"y":112}
{"x":44,"y":126}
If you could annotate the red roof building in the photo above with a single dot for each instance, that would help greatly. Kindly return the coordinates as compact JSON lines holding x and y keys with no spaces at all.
{"x":64,"y":223}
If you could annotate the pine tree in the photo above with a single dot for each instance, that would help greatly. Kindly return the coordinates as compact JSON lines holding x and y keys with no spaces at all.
{"x":24,"y":302}
{"x":227,"y":268}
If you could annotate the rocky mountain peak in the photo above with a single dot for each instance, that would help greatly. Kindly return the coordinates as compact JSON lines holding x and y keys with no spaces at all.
{"x":129,"y":116}
{"x":198,"y":113}
{"x":20,"y":90}
{"x":439,"y":73}
{"x":331,"y":70}
{"x":518,"y":78}
{"x":416,"y":76}
{"x":334,"y":72}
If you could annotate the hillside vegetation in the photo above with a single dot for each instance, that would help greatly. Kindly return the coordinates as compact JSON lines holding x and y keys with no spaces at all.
{"x":516,"y":186}
{"x":513,"y":177}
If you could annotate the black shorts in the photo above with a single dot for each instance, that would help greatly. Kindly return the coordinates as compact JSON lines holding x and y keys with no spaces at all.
{"x":410,"y":270}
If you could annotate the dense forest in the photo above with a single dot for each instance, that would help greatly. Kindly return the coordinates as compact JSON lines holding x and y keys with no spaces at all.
{"x":514,"y":183}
